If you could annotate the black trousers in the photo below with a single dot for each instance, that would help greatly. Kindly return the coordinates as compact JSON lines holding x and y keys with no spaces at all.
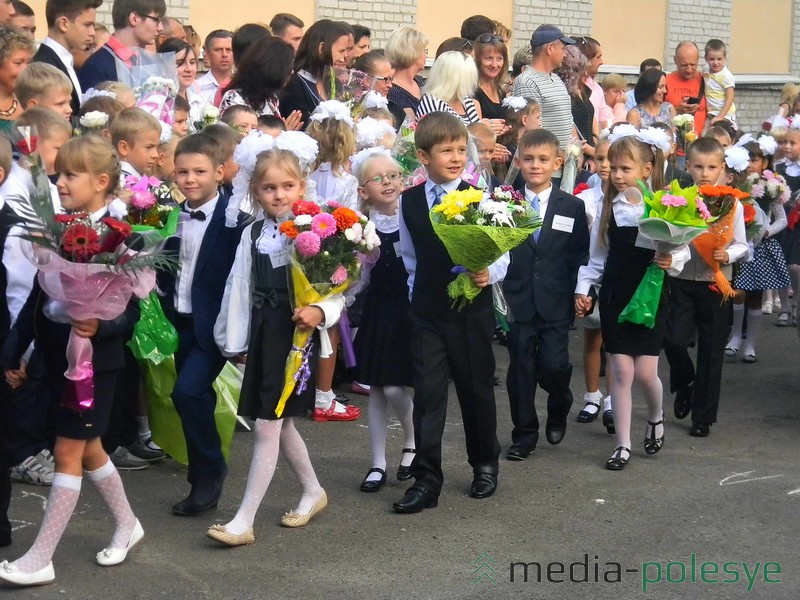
{"x":539,"y":355}
{"x":5,"y":475}
{"x":28,"y":415}
{"x":461,"y":348}
{"x":695,"y":309}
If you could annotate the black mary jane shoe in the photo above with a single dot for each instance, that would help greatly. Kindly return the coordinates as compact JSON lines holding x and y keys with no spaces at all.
{"x":608,"y":421}
{"x":373,"y":485}
{"x":617,"y":461}
{"x":587,"y":417}
{"x":652,"y":444}
{"x":404,"y":473}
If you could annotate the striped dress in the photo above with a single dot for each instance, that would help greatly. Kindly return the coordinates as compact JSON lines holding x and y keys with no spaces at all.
{"x":430,"y":104}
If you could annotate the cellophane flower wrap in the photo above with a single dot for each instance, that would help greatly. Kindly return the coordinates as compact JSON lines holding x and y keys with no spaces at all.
{"x":405,"y":153}
{"x":154,"y":80}
{"x":672,"y":218}
{"x":721,"y":202}
{"x":477,"y":230}
{"x":150,"y":207}
{"x":350,"y":86}
{"x":86,"y":268}
{"x":329,"y":243}
{"x":767,"y":188}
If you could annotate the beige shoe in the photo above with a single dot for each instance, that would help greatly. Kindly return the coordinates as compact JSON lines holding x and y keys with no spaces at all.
{"x":292,"y":519}
{"x":222,"y":535}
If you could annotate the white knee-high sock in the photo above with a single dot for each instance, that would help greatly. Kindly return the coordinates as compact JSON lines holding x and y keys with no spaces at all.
{"x":378,"y":418}
{"x":403,"y":405}
{"x":783,"y":295}
{"x":61,"y":503}
{"x":754,"y":319}
{"x":736,"y":331}
{"x":294,"y":450}
{"x":107,"y":482}
{"x":262,"y":468}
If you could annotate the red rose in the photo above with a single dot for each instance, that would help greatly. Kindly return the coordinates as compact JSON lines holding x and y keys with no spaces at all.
{"x":581,"y":187}
{"x":28,"y":147}
{"x":80,"y":241}
{"x":766,"y":126}
{"x":303,"y":207}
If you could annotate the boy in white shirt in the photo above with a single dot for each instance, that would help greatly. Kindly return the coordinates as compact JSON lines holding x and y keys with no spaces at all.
{"x":720,"y":83}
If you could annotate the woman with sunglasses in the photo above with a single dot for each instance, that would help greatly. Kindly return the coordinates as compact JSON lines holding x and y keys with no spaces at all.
{"x":491,"y":58}
{"x":407,"y":49}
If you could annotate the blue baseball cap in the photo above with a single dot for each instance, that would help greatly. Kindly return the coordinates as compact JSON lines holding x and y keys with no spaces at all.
{"x":545,"y":34}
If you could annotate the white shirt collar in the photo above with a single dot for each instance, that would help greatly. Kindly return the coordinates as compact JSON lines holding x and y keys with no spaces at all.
{"x":448,"y":187}
{"x":207,"y":208}
{"x":127,"y":169}
{"x":544,"y":196}
{"x":62,"y":53}
{"x":98,"y":214}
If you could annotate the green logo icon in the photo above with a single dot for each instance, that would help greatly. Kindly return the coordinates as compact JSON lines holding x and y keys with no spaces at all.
{"x":484,"y":568}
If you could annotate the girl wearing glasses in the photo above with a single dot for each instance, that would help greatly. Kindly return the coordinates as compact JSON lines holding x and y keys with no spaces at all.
{"x":382,"y":344}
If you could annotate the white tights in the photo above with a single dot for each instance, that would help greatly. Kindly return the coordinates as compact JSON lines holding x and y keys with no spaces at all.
{"x":644,"y":371}
{"x":379,"y":400}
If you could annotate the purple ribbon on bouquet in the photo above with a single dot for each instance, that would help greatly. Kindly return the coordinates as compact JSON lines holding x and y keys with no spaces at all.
{"x":458,"y":270}
{"x":347,"y":341}
{"x":304,"y":372}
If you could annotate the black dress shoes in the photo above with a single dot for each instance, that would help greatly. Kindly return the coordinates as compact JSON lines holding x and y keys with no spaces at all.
{"x":415,"y":499}
{"x":699,"y":429}
{"x":518,"y":452}
{"x":555,"y":433}
{"x":483,"y":485}
{"x":373,"y":485}
{"x":683,"y":401}
{"x":202,"y":499}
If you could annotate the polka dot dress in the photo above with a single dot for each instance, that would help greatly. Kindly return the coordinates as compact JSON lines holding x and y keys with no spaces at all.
{"x":767,"y":270}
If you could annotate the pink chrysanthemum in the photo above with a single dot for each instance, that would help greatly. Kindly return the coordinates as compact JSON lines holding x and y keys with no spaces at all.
{"x":675,"y":201}
{"x":143,"y":200}
{"x":339,"y":275}
{"x":324,"y":225}
{"x":757,"y":190}
{"x":307,"y":244}
{"x":703,"y":210}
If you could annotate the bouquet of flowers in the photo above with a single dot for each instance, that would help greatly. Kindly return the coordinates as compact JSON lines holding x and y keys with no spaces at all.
{"x":154,"y":80}
{"x":87,"y":269}
{"x":767,"y":188}
{"x":349,"y":86}
{"x":476,"y":231}
{"x":672,"y":218}
{"x":209,"y":116}
{"x":684,"y":127}
{"x":329,"y":244}
{"x":721,"y":202}
{"x":405,"y":153}
{"x":755,"y":221}
{"x":148,"y":207}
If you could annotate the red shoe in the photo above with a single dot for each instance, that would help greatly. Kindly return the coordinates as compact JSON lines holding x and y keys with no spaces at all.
{"x":351,"y":413}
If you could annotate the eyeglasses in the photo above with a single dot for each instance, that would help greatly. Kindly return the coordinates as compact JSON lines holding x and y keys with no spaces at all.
{"x":153,"y":17}
{"x":378,"y":179}
{"x":387,"y":79}
{"x":489,"y":37}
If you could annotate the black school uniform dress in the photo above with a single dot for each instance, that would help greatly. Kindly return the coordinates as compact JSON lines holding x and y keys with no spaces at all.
{"x":271,"y":331}
{"x":383,"y":343}
{"x":625,"y":267}
{"x":790,"y":238}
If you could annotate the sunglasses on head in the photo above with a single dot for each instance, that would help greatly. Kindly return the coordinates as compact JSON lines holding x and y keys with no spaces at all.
{"x":489,"y":37}
{"x":467,"y":46}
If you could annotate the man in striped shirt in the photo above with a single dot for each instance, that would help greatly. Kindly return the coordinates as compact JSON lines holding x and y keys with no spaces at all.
{"x":540,"y":83}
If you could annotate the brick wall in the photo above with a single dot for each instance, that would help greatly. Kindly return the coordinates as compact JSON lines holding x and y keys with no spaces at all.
{"x":795,"y":62}
{"x":574,"y":16}
{"x":380,"y":17}
{"x":695,"y":20}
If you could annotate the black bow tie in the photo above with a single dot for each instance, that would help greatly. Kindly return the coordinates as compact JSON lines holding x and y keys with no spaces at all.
{"x":197,"y":214}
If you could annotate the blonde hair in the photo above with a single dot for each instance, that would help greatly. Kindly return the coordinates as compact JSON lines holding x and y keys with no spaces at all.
{"x":378,"y":112}
{"x":404,"y":47}
{"x":90,"y":154}
{"x":116,"y":88}
{"x":131,"y":122}
{"x":37,"y":80}
{"x":453,"y":76}
{"x":482,"y":131}
{"x":5,"y":157}
{"x":364,"y":204}
{"x":337,"y":142}
{"x":789,"y":93}
{"x":282,"y":159}
{"x":632,"y":149}
{"x":614,"y":81}
{"x":47,"y":122}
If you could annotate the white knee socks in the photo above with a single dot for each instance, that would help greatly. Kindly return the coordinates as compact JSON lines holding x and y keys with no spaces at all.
{"x":736,"y":330}
{"x":108,"y":484}
{"x":754,"y":319}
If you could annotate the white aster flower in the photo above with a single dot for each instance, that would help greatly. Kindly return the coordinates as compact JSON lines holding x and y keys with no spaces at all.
{"x":303,"y":220}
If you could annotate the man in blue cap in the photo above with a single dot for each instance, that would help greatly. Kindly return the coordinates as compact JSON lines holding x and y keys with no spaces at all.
{"x":540,"y":83}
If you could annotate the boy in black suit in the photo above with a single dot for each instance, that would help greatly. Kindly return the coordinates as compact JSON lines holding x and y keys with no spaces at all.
{"x":192,"y":302}
{"x":538,"y":288}
{"x":70,"y":26}
{"x":445,"y":341}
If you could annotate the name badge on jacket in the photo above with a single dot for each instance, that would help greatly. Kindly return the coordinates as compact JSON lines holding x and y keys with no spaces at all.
{"x":278,"y":259}
{"x":562,"y":223}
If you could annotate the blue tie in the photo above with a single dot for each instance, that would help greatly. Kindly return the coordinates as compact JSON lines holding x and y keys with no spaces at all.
{"x":438,"y":192}
{"x":536,"y":206}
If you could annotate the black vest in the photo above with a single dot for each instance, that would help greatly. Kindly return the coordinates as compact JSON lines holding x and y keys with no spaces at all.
{"x":434,"y":265}
{"x":270,"y":285}
{"x":7,"y":220}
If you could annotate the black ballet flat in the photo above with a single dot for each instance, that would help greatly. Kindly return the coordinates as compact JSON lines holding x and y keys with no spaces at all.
{"x":617,"y":462}
{"x":652,"y":444}
{"x":404,"y":473}
{"x":373,"y":486}
{"x":587,"y":417}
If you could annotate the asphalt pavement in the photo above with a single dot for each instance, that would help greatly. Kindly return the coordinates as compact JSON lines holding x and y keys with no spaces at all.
{"x":710,"y":518}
